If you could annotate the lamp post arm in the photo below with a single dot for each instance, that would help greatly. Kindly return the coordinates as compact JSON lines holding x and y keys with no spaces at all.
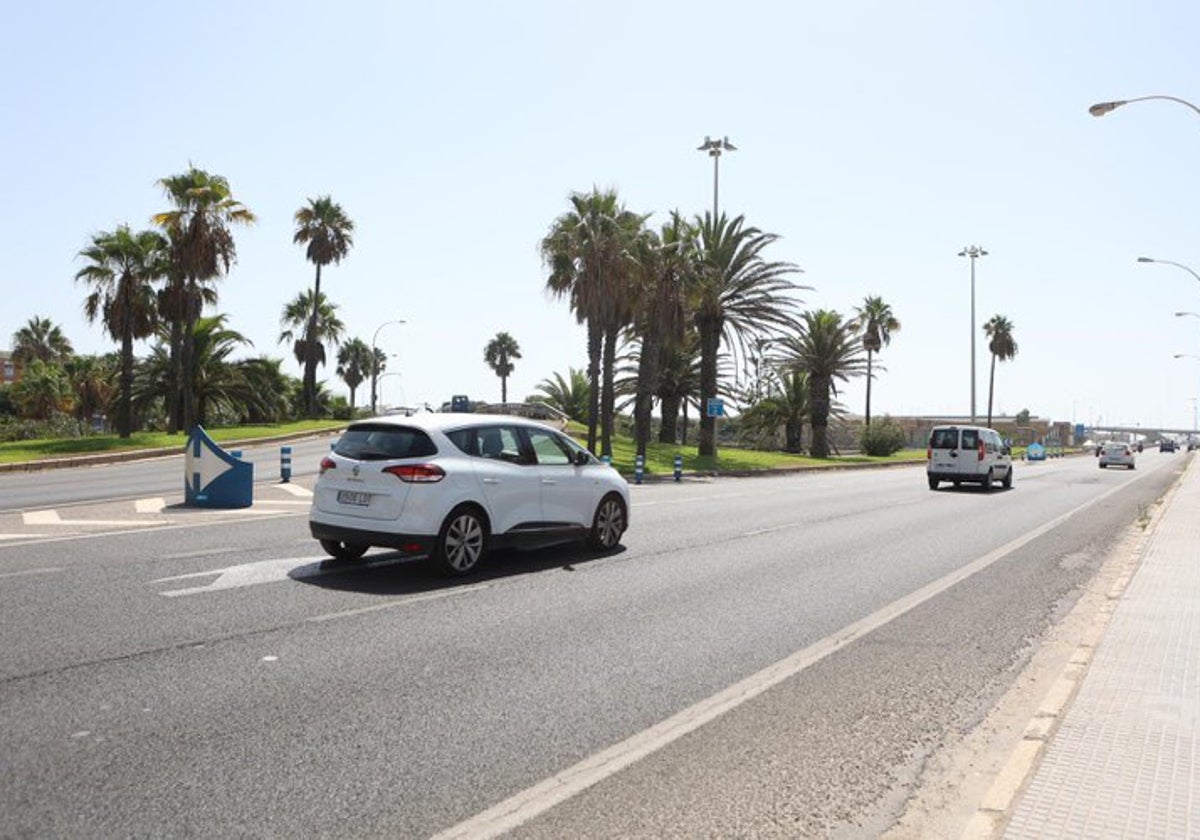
{"x":1102,"y":108}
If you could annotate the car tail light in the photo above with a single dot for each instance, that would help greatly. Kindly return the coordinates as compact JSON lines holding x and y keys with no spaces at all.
{"x":327,"y":463}
{"x":982,"y":453}
{"x":417,"y":473}
{"x":928,"y":453}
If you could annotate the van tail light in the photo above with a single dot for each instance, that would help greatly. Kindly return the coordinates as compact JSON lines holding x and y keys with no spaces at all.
{"x":928,"y":453}
{"x":417,"y":473}
{"x":982,"y":453}
{"x":327,"y":463}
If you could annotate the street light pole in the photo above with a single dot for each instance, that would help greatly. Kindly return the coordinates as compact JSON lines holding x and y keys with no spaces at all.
{"x":375,"y":364}
{"x":973,"y":252}
{"x":1169,"y":262}
{"x":1102,"y":108}
{"x":714,"y":149}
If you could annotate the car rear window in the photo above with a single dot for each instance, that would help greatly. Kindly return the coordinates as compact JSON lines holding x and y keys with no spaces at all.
{"x":970,"y":439}
{"x":944,"y":439}
{"x":384,"y":442}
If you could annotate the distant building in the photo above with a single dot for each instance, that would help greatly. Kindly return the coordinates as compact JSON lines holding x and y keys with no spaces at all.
{"x":10,"y":369}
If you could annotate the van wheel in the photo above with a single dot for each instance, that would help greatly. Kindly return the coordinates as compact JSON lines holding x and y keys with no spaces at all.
{"x":933,"y":483}
{"x":989,"y":481}
{"x":1008,"y":479}
{"x":1103,"y":465}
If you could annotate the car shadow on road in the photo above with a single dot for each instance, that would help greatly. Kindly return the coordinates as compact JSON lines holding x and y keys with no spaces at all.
{"x":392,"y":573}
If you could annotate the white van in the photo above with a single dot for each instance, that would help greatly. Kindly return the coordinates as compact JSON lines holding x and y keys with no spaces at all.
{"x":971,"y":454}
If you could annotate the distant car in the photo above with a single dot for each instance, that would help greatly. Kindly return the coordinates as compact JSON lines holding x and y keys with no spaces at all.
{"x":452,"y":486}
{"x":1035,"y":452}
{"x":1118,"y":455}
{"x":1167,"y":445}
{"x":967,"y":454}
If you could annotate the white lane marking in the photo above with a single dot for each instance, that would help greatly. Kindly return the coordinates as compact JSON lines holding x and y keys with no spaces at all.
{"x":19,"y":536}
{"x":51,"y":517}
{"x":41,"y":517}
{"x":149,"y":505}
{"x":282,"y":502}
{"x":204,"y":552}
{"x":520,"y":808}
{"x":250,"y":574}
{"x":296,"y":490}
{"x":49,"y":570}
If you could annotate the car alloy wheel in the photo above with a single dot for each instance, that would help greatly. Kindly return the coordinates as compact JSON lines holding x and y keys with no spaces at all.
{"x":462,"y":542}
{"x":608,"y":524}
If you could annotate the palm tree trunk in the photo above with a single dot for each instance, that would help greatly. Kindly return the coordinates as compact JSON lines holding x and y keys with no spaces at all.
{"x":608,"y":392}
{"x":595,"y":339}
{"x":188,"y":382}
{"x":991,"y":389}
{"x":668,"y":430}
{"x":820,"y":417}
{"x":125,"y":398}
{"x":504,"y":389}
{"x":647,"y":383}
{"x":710,"y":341}
{"x":868,"y":415}
{"x":310,"y":351}
{"x":174,"y":416}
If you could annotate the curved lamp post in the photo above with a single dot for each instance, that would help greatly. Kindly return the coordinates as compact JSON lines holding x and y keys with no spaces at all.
{"x":974,"y":252}
{"x":1170,"y":262}
{"x":375,"y":363}
{"x":384,"y":376}
{"x":1102,"y":108}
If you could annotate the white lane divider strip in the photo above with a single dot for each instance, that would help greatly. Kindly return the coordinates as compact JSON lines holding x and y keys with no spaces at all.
{"x":41,"y":517}
{"x":149,"y":505}
{"x":49,"y":570}
{"x":296,"y":490}
{"x":536,"y":800}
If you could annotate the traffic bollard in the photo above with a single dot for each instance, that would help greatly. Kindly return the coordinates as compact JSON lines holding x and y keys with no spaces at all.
{"x":607,"y":459}
{"x":678,"y":467}
{"x":285,"y":463}
{"x":639,"y":468}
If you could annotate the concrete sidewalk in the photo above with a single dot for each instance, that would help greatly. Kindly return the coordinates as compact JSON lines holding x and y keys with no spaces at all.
{"x":1125,"y":759}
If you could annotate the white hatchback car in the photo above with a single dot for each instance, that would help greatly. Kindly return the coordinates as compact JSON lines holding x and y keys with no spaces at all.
{"x":451,"y":486}
{"x":1116,"y":454}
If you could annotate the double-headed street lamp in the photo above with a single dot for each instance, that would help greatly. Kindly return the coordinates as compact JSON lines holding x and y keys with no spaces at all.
{"x":974,"y":252}
{"x":714,"y":149}
{"x":375,"y":363}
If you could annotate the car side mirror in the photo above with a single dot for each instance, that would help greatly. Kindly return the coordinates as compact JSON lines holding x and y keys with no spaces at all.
{"x":1006,"y":450}
{"x":582,"y":459}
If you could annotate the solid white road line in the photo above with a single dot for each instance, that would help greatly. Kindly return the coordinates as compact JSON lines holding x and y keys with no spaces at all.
{"x":149,"y":505}
{"x":531,"y":802}
{"x":49,"y":570}
{"x":295,"y":490}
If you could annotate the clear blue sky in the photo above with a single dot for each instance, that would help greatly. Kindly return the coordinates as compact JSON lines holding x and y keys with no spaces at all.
{"x":877,"y":139}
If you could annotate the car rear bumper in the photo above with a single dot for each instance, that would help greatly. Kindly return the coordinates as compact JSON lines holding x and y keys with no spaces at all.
{"x":409,"y":543}
{"x":944,"y":475}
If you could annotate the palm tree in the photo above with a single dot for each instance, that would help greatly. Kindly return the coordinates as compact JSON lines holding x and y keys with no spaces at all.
{"x":354,"y":365}
{"x":1000,"y":341}
{"x":94,"y":380}
{"x":587,"y":253}
{"x":827,"y":350}
{"x":678,"y":384}
{"x":499,"y":355}
{"x":42,"y":391}
{"x":664,"y":262}
{"x":785,"y":406}
{"x":202,"y":251}
{"x":327,"y":232}
{"x":569,"y":395}
{"x":297,"y":323}
{"x":122,"y":269}
{"x":735,"y":295}
{"x":877,"y":323}
{"x":40,"y":338}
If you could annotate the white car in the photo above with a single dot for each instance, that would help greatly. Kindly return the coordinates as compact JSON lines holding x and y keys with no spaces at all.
{"x":1117,"y":455}
{"x":451,"y":486}
{"x":967,"y":454}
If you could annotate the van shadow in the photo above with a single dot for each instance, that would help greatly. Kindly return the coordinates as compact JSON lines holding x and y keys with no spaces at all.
{"x":391,"y":573}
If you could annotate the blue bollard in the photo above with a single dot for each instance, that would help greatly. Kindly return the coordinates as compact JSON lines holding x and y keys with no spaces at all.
{"x":639,"y":468}
{"x":606,"y":459}
{"x":285,"y":463}
{"x":678,"y":467}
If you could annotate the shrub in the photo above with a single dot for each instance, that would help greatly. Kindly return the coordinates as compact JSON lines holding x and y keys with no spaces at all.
{"x":882,"y":438}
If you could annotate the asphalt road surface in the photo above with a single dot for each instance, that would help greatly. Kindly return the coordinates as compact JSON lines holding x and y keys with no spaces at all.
{"x":764,"y":657}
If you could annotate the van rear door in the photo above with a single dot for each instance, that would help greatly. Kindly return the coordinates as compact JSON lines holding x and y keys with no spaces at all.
{"x":944,"y":451}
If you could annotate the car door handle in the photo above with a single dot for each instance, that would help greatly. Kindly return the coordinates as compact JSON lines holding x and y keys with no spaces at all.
{"x":549,"y":481}
{"x":491,"y":481}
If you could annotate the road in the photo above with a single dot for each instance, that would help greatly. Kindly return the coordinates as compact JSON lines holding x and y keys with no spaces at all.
{"x":768,"y":656}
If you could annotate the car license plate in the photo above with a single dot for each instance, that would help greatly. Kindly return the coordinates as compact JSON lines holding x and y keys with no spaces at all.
{"x":353,"y":497}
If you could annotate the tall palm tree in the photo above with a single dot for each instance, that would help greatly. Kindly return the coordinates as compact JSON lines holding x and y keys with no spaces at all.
{"x":587,"y":253}
{"x":877,"y":322}
{"x":296,"y":321}
{"x":327,"y":232}
{"x":499,"y":355}
{"x":663,"y":264}
{"x":354,"y":365}
{"x":827,"y":349}
{"x":94,"y":379}
{"x":1003,"y":346}
{"x":735,"y":295}
{"x":203,"y":251}
{"x":122,"y":269}
{"x":40,"y":338}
